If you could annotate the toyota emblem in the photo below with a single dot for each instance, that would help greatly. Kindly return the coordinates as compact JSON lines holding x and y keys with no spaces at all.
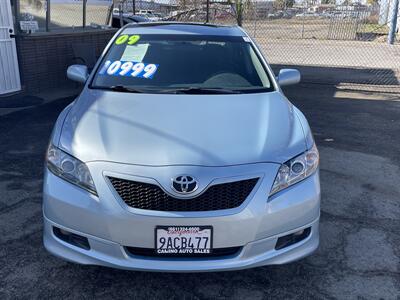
{"x":184,"y":184}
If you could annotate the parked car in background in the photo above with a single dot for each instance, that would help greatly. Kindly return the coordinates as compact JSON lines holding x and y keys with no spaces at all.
{"x":160,"y":16}
{"x":307,"y":15}
{"x":145,"y":11}
{"x":149,"y":14}
{"x":275,"y":15}
{"x":280,"y":14}
{"x":116,"y":20}
{"x":327,"y":14}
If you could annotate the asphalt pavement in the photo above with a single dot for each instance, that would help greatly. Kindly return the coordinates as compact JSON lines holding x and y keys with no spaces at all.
{"x":359,"y":256}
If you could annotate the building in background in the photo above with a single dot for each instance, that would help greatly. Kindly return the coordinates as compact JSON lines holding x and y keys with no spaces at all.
{"x":47,"y":35}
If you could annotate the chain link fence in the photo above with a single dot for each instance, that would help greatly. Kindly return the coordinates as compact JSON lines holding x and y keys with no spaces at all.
{"x":346,"y":45}
{"x":338,"y":42}
{"x":343,"y":43}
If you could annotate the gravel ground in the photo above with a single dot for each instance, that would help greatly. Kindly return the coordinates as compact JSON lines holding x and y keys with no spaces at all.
{"x":359,"y":256}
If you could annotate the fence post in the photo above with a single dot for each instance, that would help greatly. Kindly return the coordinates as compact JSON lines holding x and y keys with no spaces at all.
{"x":207,"y":11}
{"x":17,"y":18}
{"x":302,"y":25}
{"x":84,"y":13}
{"x":255,"y":16}
{"x":48,"y":15}
{"x":110,"y":14}
{"x":121,"y":22}
{"x":134,"y":7}
{"x":393,"y":23}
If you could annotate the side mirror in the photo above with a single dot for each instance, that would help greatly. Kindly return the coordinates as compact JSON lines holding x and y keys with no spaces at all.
{"x":288,"y":77}
{"x":78,"y":73}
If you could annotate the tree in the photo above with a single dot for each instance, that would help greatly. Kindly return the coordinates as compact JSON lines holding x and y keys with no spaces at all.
{"x":347,"y":2}
{"x":328,"y":1}
{"x":238,"y":8}
{"x":283,"y":4}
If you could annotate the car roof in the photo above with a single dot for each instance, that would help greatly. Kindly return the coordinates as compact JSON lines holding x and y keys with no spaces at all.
{"x":183,"y":28}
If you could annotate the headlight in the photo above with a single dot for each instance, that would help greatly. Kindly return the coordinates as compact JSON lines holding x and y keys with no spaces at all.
{"x":296,"y":170}
{"x":69,"y":168}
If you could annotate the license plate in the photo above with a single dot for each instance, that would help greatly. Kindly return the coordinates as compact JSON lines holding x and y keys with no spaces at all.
{"x":183,"y":240}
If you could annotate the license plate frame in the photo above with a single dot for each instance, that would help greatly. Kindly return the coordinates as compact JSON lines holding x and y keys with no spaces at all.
{"x":188,"y":251}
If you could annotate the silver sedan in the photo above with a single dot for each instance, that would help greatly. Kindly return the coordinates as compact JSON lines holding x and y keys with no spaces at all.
{"x":181,"y":154}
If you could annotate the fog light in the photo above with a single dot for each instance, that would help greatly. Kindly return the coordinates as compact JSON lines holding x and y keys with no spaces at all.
{"x":293,"y":238}
{"x":72,"y":238}
{"x":297,"y":233}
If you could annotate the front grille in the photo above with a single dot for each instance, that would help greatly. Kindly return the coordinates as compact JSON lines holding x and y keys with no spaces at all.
{"x":217,"y":252}
{"x":152,"y":197}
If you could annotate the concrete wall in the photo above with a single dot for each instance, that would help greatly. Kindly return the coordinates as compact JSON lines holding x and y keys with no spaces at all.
{"x":44,"y":58}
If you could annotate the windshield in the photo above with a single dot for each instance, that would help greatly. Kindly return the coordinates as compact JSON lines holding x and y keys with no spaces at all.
{"x":167,"y":63}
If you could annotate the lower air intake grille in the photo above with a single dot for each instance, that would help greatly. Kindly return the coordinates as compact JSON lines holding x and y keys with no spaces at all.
{"x":217,"y":252}
{"x":152,"y":197}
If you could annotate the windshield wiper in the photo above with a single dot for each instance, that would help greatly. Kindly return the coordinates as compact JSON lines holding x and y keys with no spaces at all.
{"x":200,"y":90}
{"x":119,"y":88}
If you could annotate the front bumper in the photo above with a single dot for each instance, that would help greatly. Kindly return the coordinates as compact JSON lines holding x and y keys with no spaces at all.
{"x":110,"y":254}
{"x":110,"y":225}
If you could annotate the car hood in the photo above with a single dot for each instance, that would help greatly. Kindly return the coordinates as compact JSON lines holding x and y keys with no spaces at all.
{"x":169,"y":129}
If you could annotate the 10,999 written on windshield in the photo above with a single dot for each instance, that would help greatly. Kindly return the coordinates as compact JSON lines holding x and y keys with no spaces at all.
{"x":128,"y":68}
